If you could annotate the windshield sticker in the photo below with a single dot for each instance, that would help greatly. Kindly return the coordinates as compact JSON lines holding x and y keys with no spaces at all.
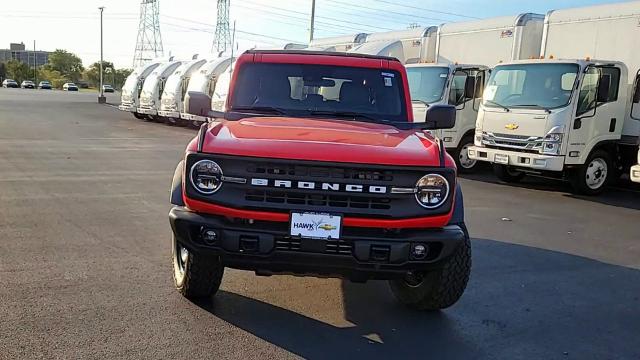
{"x":443,"y":75}
{"x":490,"y":92}
{"x":388,"y":74}
{"x":506,"y":33}
{"x":387,"y":82}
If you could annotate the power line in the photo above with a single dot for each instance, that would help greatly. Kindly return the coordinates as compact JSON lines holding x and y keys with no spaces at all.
{"x":383,"y":11}
{"x":426,"y":9}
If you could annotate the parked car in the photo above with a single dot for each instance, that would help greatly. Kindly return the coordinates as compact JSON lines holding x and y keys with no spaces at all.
{"x":28,"y":84}
{"x":10,"y":83}
{"x":107,"y":88}
{"x":70,"y":87}
{"x":44,"y":85}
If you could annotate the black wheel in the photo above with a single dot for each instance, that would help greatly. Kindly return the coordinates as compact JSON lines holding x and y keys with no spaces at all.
{"x":439,"y":289}
{"x":593,"y":177}
{"x":138,"y":116}
{"x":195,"y":275}
{"x":464,"y":164}
{"x":172,"y":121}
{"x":507,"y":174}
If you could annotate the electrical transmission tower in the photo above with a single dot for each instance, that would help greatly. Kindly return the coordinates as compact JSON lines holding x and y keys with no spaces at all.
{"x":149,"y":43}
{"x":222,"y":40}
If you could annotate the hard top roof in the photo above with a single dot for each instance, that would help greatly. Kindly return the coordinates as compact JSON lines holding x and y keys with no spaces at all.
{"x":322,"y":53}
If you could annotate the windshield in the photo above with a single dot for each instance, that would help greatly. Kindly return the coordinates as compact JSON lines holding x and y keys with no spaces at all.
{"x":197,"y":82}
{"x":131,"y":83}
{"x":307,"y":89}
{"x":172,"y":84}
{"x":150,"y":83}
{"x":427,"y":83}
{"x":531,"y":85}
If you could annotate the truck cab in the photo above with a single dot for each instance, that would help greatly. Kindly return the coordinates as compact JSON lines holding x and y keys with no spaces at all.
{"x":566,"y":118}
{"x":132,"y":88}
{"x":153,"y":88}
{"x":454,"y":84}
{"x":315,"y":167}
{"x":175,"y":90}
{"x":207,"y":81}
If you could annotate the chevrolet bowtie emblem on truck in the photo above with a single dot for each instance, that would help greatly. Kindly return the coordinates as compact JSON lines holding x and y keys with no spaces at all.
{"x":327,"y":227}
{"x":511,"y":126}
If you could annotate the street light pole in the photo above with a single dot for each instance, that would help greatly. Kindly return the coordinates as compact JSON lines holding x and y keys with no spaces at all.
{"x":313,"y":19}
{"x":101,"y":98}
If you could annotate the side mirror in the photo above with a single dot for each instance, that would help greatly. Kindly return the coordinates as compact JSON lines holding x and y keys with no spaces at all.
{"x":198,"y":103}
{"x":440,"y":117}
{"x":470,"y":87}
{"x":603,"y":88}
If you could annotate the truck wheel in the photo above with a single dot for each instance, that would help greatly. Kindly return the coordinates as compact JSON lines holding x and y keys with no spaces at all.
{"x":437,"y":289}
{"x":593,"y":176}
{"x":464,"y":164}
{"x":195,"y":275}
{"x":507,"y":174}
{"x":138,"y":116}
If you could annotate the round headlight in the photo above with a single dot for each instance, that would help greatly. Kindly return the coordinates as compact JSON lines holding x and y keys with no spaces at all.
{"x":206,"y":176}
{"x":432,"y":191}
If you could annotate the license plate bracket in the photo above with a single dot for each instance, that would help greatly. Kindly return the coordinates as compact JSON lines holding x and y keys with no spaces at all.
{"x":501,"y":159}
{"x":314,"y":225}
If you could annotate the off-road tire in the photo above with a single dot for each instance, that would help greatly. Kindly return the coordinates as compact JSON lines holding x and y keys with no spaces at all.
{"x":440,"y":288}
{"x":456,"y":156}
{"x":578,"y":177}
{"x":201,"y":277}
{"x":506,"y":174}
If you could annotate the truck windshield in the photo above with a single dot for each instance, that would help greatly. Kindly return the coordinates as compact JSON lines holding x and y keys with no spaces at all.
{"x":427,"y":83}
{"x":173,"y":82}
{"x":545,"y":86}
{"x":307,"y":89}
{"x":131,"y":83}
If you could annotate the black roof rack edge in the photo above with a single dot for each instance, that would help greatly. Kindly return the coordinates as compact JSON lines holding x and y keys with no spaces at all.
{"x":325,"y":53}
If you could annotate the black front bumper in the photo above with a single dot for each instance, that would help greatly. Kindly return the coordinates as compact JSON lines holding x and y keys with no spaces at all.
{"x":267,"y":248}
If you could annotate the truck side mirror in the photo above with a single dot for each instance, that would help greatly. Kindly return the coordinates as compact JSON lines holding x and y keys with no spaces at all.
{"x":470,"y":87}
{"x":440,"y":117}
{"x":199,"y":103}
{"x":603,"y":88}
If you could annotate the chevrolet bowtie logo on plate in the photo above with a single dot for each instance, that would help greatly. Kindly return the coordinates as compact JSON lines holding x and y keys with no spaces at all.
{"x":327,"y":227}
{"x":511,"y":126}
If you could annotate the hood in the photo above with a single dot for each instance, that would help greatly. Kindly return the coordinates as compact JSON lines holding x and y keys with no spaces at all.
{"x":321,"y":140}
{"x":516,"y":122}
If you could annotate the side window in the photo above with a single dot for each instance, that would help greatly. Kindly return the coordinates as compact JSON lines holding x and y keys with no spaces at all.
{"x":588,"y":91}
{"x":456,"y":94}
{"x":612,"y":75}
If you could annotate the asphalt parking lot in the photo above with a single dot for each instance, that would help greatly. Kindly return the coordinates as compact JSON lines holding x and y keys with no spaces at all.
{"x":85,"y":262}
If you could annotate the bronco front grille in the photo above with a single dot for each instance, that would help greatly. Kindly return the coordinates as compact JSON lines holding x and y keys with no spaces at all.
{"x":320,"y":172}
{"x":337,"y":201}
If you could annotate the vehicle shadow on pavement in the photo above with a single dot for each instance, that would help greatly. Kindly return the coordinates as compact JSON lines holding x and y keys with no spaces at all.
{"x":521,"y":302}
{"x":621,"y":193}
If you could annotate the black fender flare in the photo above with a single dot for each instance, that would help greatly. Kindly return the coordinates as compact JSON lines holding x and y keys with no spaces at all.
{"x":176,"y":185}
{"x":458,"y":208}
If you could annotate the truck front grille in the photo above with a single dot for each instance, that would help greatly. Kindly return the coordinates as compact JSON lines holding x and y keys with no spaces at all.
{"x":514,"y":142}
{"x":337,"y":201}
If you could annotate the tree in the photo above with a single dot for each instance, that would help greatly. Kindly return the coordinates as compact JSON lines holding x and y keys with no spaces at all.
{"x":3,"y":71}
{"x":18,"y":71}
{"x":68,"y":64}
{"x":92,"y":74}
{"x":54,"y":77}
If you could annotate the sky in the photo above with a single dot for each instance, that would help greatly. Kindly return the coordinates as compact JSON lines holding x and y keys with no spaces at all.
{"x":187,"y":26}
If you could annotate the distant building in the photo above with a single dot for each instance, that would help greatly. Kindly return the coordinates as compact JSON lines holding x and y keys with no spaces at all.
{"x":21,"y":53}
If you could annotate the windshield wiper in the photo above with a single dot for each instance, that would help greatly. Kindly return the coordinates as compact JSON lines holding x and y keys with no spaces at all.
{"x":497,"y":104}
{"x":260,"y":109}
{"x":349,"y":114}
{"x":535,"y":106}
{"x":426,"y":104}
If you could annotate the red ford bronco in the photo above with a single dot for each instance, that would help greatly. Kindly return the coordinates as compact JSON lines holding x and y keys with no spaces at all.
{"x":316,"y":167}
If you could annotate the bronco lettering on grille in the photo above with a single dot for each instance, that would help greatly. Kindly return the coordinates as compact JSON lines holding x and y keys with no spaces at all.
{"x":311,"y":185}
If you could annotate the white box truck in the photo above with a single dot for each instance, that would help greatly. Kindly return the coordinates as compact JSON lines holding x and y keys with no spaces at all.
{"x":175,"y":90}
{"x":338,"y":43}
{"x":132,"y":88}
{"x":574,"y":114}
{"x":464,"y":53}
{"x":153,"y":88}
{"x":211,"y":79}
